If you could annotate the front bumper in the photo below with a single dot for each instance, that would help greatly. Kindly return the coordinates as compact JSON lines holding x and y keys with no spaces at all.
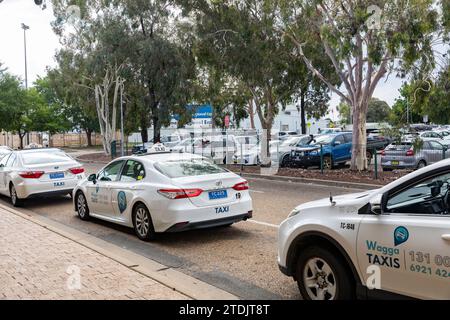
{"x":306,"y":160}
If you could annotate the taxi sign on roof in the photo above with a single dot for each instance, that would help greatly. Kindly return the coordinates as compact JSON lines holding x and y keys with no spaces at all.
{"x":158,"y":148}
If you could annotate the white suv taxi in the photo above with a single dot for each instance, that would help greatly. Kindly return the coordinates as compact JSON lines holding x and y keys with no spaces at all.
{"x":392,"y":242}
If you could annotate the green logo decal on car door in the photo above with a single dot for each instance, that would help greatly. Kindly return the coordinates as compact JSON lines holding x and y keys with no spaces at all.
{"x":122,"y":201}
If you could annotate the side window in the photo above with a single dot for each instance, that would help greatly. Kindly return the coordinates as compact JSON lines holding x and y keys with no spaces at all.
{"x":11,"y":160}
{"x":4,"y":160}
{"x":339,"y":139}
{"x":132,"y":171}
{"x":430,"y":196}
{"x":348,"y":138}
{"x":436,"y":145}
{"x":111,"y":172}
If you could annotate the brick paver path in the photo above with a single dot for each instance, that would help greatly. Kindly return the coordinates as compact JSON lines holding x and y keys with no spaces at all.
{"x":36,"y":263}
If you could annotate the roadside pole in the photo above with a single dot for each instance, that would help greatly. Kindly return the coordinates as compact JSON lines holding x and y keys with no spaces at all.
{"x":321,"y":158}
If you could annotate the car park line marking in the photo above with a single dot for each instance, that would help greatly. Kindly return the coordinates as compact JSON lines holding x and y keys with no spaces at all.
{"x":264,"y":223}
{"x":257,"y":191}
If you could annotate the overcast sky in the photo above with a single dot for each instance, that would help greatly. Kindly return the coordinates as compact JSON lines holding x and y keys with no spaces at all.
{"x":42,"y":44}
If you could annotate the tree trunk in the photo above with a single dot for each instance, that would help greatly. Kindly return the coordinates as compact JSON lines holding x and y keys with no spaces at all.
{"x":89,"y":137}
{"x":21,"y":136}
{"x":251,"y":114}
{"x":359,"y":141}
{"x":303,"y":112}
{"x":144,"y":129}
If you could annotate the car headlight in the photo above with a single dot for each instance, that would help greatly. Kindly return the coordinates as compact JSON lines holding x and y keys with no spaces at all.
{"x":294,"y":212}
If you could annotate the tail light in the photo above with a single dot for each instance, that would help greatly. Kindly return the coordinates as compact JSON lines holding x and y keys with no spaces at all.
{"x":410,"y":153}
{"x":31,"y":174}
{"x":383,"y":153}
{"x":180,"y":193}
{"x":241,"y":186}
{"x":76,"y":170}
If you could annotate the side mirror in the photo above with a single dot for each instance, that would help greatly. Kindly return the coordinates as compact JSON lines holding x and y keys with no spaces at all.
{"x":375,"y":204}
{"x":93,"y":178}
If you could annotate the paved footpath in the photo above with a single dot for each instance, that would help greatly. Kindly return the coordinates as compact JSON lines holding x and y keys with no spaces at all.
{"x":36,"y":263}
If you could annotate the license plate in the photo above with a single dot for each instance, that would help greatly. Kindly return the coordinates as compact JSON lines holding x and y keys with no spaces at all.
{"x":395,"y":163}
{"x":58,"y":175}
{"x":219,"y":194}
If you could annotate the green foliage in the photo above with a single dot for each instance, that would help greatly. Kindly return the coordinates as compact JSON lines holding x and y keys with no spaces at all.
{"x":344,"y":113}
{"x":378,"y":111}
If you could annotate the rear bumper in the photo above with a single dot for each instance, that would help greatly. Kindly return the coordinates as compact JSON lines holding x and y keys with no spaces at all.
{"x":27,"y":189}
{"x":184,"y":226}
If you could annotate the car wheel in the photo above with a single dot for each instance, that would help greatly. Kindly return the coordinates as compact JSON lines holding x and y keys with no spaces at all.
{"x":421,"y":164}
{"x":285,"y":161}
{"x":321,"y":275}
{"x":327,"y":163}
{"x":142,"y":221}
{"x":82,"y":206}
{"x":16,"y":202}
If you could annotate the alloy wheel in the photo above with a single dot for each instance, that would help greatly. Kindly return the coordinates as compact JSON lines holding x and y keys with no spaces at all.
{"x":142,"y":222}
{"x":319,"y":280}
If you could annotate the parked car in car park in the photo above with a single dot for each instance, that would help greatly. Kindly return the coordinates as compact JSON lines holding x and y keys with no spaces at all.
{"x":401,"y":232}
{"x":404,"y":155}
{"x":38,"y":172}
{"x":282,"y":154}
{"x":336,"y":150}
{"x":283,"y":135}
{"x":164,"y":191}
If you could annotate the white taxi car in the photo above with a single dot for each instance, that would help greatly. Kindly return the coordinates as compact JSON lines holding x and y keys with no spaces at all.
{"x":38,"y":172}
{"x":164,"y":192}
{"x":390,"y":242}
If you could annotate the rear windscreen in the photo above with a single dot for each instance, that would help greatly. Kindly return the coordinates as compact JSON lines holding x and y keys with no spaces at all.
{"x":188,"y":168}
{"x":33,"y":158}
{"x":403,"y":146}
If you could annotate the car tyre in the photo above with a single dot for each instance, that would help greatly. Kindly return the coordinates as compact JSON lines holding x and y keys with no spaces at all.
{"x":15,"y":201}
{"x":285,"y":161}
{"x":142,"y":222}
{"x":82,"y":206}
{"x":321,"y":275}
{"x":327,"y":162}
{"x":421,"y":164}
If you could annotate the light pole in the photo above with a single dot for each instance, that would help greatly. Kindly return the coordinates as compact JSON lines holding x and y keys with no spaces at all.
{"x":121,"y":119}
{"x":25,"y":28}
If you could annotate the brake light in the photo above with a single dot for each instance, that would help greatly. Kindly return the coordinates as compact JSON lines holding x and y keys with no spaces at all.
{"x":31,"y":174}
{"x":409,"y":153}
{"x":383,"y":153}
{"x":76,"y":170}
{"x":180,"y":193}
{"x":241,"y":186}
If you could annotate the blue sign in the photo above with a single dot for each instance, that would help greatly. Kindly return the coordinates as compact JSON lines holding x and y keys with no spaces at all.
{"x":122,"y":201}
{"x":199,"y":112}
{"x":401,"y":235}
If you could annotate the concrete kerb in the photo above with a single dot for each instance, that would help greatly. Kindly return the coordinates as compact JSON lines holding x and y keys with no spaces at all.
{"x":178,"y":281}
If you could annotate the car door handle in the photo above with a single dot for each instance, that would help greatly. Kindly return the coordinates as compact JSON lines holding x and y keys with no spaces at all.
{"x":446,"y":237}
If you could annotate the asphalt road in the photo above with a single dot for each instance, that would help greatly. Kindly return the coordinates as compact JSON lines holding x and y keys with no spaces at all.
{"x":240,"y":259}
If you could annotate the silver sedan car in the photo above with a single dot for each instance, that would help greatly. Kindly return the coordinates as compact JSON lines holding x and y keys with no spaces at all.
{"x":29,"y":173}
{"x":4,"y":151}
{"x":404,"y":156}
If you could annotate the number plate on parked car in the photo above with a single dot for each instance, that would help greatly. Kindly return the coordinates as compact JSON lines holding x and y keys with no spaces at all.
{"x":218,"y":194}
{"x":58,"y":175}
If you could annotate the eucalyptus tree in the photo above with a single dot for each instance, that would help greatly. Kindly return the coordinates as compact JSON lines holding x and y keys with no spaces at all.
{"x":365,"y":43}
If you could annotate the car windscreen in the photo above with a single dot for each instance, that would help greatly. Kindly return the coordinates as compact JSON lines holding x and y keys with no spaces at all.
{"x":188,"y":168}
{"x":323,"y":139}
{"x":35,"y":158}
